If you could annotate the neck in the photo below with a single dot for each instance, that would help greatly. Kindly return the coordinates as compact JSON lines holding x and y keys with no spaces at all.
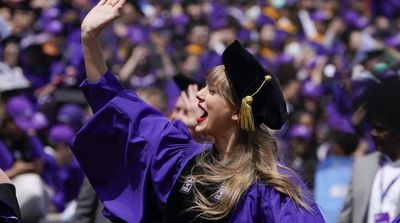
{"x":227,"y":143}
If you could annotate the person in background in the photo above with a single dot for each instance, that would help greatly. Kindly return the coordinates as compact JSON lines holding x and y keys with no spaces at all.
{"x":332,"y":177}
{"x":301,"y":154}
{"x":89,"y":207}
{"x":374,"y":190}
{"x":61,"y":170}
{"x":23,"y":156}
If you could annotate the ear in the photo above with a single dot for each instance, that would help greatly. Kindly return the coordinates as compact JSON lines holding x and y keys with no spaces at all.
{"x":235,"y":117}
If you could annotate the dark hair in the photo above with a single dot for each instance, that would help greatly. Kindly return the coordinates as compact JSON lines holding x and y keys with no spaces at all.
{"x":382,"y":103}
{"x":348,"y":142}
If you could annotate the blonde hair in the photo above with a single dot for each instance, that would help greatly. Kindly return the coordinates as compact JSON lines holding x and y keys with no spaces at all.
{"x":254,"y":160}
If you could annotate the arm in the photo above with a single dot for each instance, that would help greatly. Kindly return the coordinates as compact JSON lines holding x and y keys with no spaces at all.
{"x":94,"y":23}
{"x":138,"y":54}
{"x":138,"y":156}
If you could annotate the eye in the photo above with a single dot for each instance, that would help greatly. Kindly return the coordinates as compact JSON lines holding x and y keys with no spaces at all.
{"x":212,"y":91}
{"x":379,"y":128}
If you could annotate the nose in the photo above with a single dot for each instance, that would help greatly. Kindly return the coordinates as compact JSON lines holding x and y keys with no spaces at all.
{"x":200,"y":94}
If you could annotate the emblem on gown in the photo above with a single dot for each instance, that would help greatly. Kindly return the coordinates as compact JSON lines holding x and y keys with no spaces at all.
{"x":187,"y":185}
{"x":218,"y":195}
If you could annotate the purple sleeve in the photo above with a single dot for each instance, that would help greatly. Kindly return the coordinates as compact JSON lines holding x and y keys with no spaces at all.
{"x":262,"y":203}
{"x":102,"y":91}
{"x":132,"y":156}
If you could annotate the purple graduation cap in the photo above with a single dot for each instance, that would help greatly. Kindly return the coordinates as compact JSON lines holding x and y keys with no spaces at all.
{"x":300,"y":131}
{"x":220,"y":18}
{"x":24,"y":115}
{"x":53,"y":27}
{"x":311,"y":90}
{"x":61,"y":134}
{"x":353,"y":18}
{"x":71,"y":114}
{"x":137,"y":35}
{"x":392,"y":41}
{"x":180,"y":22}
{"x":319,"y":16}
{"x":50,"y":21}
{"x":337,"y":121}
{"x":263,"y":20}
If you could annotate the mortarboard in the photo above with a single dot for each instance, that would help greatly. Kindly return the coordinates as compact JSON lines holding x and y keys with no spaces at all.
{"x":183,"y":81}
{"x":319,"y":16}
{"x":137,"y":35}
{"x":61,"y":134}
{"x":70,"y":114}
{"x":338,"y":121}
{"x":259,"y":89}
{"x":24,"y":115}
{"x":263,"y":20}
{"x":311,"y":90}
{"x":300,"y":131}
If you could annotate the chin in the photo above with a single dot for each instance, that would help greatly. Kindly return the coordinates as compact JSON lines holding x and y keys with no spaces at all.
{"x":199,"y":129}
{"x":202,"y":129}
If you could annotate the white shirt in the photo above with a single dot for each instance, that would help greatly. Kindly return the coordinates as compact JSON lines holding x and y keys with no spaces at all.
{"x":12,"y":78}
{"x":385,"y":175}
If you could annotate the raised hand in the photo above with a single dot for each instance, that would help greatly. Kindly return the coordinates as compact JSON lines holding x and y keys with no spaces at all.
{"x":188,"y":110}
{"x":95,"y":21}
{"x":101,"y":16}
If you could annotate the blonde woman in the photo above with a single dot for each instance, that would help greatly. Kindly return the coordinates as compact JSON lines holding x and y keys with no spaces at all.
{"x":147,"y":169}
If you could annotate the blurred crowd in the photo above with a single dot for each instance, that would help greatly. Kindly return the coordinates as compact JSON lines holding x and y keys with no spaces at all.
{"x":326,"y":53}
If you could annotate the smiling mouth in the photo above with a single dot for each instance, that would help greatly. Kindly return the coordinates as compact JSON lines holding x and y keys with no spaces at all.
{"x":203,"y":116}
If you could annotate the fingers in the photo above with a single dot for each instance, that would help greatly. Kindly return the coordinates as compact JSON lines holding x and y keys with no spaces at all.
{"x":192,"y":91}
{"x":185,"y":100}
{"x":119,"y":3}
{"x":114,"y":3}
{"x":102,"y":2}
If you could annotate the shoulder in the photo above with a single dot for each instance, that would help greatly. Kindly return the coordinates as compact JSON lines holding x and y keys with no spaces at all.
{"x":264,"y":202}
{"x":367,"y":159}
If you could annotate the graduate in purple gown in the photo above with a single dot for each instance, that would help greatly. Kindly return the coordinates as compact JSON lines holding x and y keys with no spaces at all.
{"x":145,"y":168}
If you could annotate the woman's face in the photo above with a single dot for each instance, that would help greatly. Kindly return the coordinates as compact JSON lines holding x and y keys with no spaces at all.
{"x":218,"y":115}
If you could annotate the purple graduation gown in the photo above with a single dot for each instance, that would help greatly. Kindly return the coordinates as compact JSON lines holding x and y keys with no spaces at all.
{"x":132,"y":155}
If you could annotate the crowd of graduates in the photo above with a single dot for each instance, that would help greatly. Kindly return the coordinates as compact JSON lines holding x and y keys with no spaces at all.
{"x":326,"y":54}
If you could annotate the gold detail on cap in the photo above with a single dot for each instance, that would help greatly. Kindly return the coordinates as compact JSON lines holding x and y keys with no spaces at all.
{"x":246,"y":114}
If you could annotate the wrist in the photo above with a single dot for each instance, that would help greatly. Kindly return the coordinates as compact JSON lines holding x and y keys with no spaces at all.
{"x":88,"y":36}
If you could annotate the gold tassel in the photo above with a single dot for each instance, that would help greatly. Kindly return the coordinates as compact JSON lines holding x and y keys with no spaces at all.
{"x":246,"y":114}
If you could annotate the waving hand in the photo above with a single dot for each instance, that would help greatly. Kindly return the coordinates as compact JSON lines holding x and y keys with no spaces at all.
{"x":96,"y":21}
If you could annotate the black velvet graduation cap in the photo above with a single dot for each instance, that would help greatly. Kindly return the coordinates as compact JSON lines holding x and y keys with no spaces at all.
{"x":183,"y":81}
{"x":371,"y":54}
{"x":259,"y":89}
